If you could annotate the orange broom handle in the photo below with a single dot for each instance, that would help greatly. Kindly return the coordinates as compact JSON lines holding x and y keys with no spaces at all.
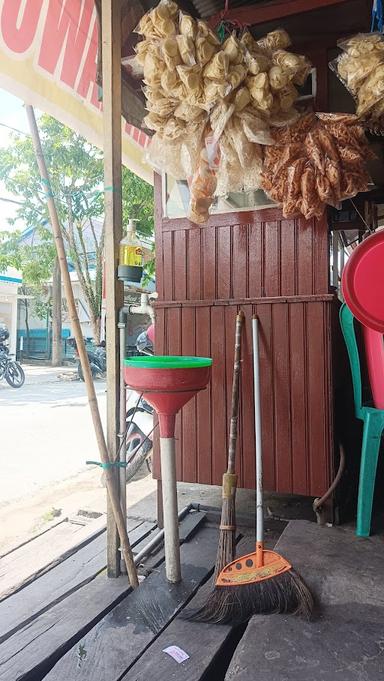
{"x":258,"y":445}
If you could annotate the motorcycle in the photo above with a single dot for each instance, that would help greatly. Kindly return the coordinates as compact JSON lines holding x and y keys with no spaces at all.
{"x":97,"y":359}
{"x":10,"y":369}
{"x":139,"y":420}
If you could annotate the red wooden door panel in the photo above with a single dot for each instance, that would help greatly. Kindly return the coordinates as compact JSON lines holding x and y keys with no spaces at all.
{"x":278,"y":269}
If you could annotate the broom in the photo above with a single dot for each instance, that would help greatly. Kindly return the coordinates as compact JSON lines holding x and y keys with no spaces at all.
{"x":227,"y":530}
{"x":262,"y":582}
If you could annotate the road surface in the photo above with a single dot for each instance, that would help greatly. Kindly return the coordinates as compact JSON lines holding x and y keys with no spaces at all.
{"x":46,"y":431}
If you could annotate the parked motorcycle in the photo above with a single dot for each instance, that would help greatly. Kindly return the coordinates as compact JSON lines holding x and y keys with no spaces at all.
{"x":97,"y":359}
{"x":139,"y":419}
{"x":10,"y":369}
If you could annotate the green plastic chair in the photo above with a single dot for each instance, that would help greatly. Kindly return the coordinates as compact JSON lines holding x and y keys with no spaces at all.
{"x":373,"y":420}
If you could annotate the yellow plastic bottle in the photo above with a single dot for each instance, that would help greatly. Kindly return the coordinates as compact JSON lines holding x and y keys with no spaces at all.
{"x":130,"y":256}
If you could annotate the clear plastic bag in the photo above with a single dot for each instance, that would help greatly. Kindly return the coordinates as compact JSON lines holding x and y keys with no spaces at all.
{"x":275,"y":40}
{"x":160,"y":22}
{"x":361,"y":68}
{"x":318,"y":161}
{"x":177,"y":157}
{"x":203,"y":183}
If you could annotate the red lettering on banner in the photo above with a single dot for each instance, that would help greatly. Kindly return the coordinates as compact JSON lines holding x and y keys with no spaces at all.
{"x":88,"y":76}
{"x":65,"y":29}
{"x":18,"y":34}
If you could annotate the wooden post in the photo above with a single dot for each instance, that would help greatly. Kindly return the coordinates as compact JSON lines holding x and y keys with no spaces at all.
{"x":114,"y":292}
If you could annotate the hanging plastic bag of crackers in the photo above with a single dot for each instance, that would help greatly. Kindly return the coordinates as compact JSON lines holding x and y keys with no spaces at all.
{"x":202,"y":184}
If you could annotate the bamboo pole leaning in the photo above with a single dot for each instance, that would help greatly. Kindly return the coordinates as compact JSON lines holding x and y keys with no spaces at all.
{"x":91,"y":393}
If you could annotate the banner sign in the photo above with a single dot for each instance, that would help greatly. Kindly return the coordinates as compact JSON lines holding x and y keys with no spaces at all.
{"x":48,"y":56}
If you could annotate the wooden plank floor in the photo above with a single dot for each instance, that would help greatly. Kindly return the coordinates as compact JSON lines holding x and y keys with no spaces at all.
{"x":52,"y":587}
{"x":34,"y":636}
{"x":202,"y":643}
{"x":118,"y":640}
{"x":24,"y":564}
{"x":73,"y":624}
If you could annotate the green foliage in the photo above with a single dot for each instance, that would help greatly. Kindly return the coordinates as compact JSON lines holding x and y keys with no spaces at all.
{"x":76,"y":172}
{"x":33,"y":260}
{"x":138,"y":203}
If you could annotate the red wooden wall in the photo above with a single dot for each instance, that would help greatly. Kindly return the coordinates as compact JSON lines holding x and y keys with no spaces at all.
{"x":278,"y":269}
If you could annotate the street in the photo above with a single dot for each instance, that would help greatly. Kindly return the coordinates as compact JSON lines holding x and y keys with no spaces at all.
{"x":46,"y":431}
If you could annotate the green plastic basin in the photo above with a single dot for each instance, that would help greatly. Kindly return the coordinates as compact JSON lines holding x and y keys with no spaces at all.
{"x":168,"y":362}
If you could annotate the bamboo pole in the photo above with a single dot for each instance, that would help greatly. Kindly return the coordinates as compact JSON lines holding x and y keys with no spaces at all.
{"x":91,"y":393}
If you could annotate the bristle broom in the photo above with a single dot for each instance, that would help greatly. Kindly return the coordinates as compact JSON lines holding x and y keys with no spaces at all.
{"x":285,"y":594}
{"x":227,"y":531}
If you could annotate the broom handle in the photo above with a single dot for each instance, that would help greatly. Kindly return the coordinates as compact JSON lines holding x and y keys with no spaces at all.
{"x":91,"y":393}
{"x":235,"y":394}
{"x":258,"y":446}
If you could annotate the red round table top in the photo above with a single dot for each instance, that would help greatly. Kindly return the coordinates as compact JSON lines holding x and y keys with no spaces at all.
{"x":363,"y":282}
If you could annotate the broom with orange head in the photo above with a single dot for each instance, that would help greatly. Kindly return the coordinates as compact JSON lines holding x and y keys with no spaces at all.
{"x":262,"y":582}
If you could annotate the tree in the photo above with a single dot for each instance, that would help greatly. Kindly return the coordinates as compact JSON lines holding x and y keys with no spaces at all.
{"x":137,"y":202}
{"x":76,"y":171}
{"x":34,"y":260}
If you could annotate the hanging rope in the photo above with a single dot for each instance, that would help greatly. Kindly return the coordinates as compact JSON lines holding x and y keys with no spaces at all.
{"x":377,"y":16}
{"x":225,"y":26}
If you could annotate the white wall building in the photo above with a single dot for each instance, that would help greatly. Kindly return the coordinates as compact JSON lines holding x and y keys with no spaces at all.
{"x":10,"y":281}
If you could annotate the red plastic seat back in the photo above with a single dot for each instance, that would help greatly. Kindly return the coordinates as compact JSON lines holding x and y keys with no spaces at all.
{"x":374,"y":351}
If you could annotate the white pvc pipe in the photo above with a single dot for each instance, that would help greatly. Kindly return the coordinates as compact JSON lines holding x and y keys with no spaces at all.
{"x":259,"y":458}
{"x":171,"y":524}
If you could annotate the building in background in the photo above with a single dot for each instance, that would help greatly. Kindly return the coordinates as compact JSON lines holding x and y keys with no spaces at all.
{"x":10,"y":281}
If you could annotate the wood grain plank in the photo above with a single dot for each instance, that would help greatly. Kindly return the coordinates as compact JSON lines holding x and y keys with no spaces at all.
{"x":321,"y":255}
{"x":118,"y":640}
{"x":288,"y":258}
{"x":318,"y":401}
{"x":224,"y":262}
{"x":272,"y":255}
{"x":266,"y":349}
{"x":65,"y":578}
{"x":275,"y":10}
{"x":204,"y":400}
{"x":255,"y":260}
{"x":299,"y":417}
{"x":282,"y":406}
{"x":230,"y":313}
{"x":202,"y":642}
{"x":305,"y":262}
{"x":167,"y":264}
{"x":219,"y":395}
{"x":23,"y":565}
{"x":239,"y":261}
{"x":188,"y":413}
{"x":194,"y":261}
{"x":189,"y":526}
{"x":159,"y":236}
{"x":209,"y":263}
{"x":180,"y":266}
{"x":247,"y":430}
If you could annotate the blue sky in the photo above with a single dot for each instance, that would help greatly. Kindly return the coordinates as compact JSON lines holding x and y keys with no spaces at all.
{"x":12,"y":113}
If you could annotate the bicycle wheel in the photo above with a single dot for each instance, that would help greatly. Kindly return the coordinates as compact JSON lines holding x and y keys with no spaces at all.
{"x":14,"y":375}
{"x":136,"y":455}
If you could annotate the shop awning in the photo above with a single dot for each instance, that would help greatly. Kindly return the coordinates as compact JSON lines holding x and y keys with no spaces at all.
{"x":48,"y":58}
